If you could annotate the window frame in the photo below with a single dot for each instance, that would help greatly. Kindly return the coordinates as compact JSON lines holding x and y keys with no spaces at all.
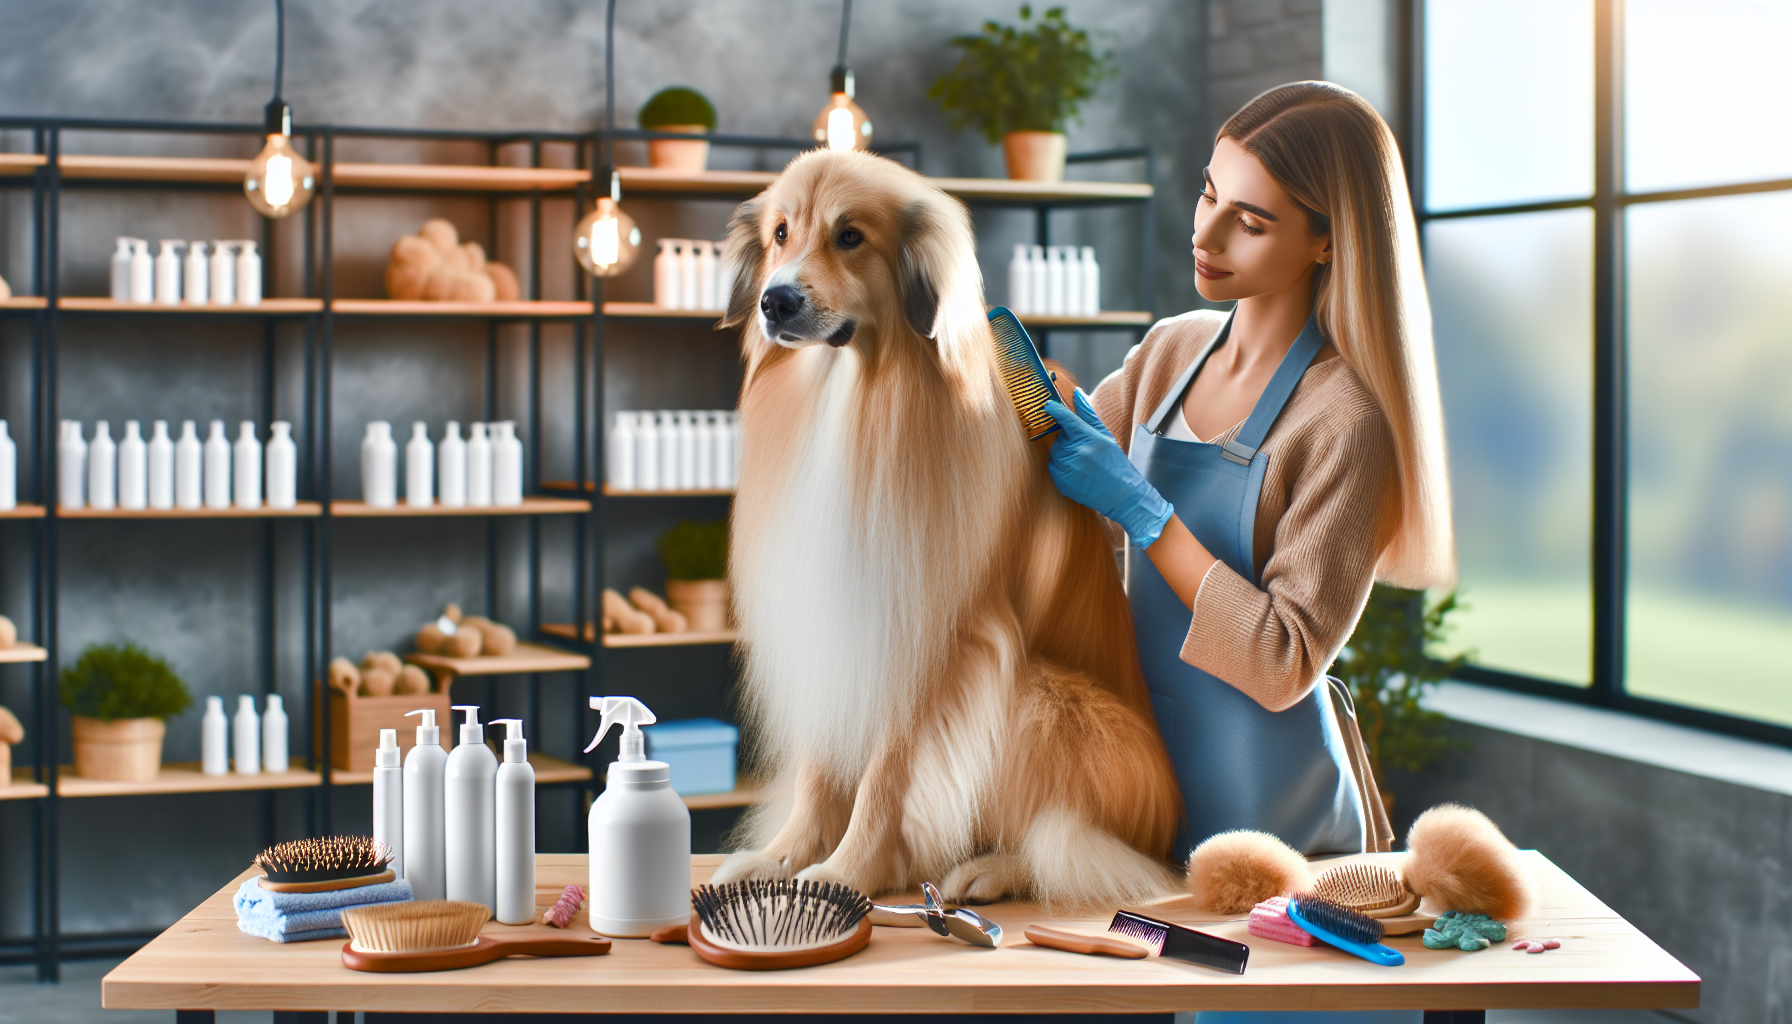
{"x":1608,"y":204}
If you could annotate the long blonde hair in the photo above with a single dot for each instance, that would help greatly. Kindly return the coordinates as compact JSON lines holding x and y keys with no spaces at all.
{"x":1336,"y":158}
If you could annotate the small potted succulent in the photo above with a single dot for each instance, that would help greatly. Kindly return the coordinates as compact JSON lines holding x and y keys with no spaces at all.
{"x":119,"y":697}
{"x":1020,"y":85}
{"x":696,"y":559}
{"x":678,"y":109}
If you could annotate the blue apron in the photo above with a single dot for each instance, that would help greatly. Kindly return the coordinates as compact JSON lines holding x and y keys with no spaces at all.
{"x":1240,"y":766}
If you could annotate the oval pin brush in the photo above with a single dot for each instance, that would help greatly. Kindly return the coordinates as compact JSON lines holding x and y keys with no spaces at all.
{"x":1344,"y":928}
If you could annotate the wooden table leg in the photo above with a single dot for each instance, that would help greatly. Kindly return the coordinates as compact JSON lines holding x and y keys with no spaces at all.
{"x":1455,"y":1017}
{"x":194,"y":1017}
{"x":302,"y":1017}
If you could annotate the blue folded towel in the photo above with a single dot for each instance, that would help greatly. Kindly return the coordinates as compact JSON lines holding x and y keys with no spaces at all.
{"x":298,"y":916}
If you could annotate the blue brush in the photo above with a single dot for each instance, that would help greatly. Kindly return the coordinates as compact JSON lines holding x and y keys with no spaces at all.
{"x":1344,"y":928}
{"x":1023,"y":373}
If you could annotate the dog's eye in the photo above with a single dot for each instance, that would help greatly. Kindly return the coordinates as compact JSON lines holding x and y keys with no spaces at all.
{"x":850,"y":238}
{"x":780,"y":233}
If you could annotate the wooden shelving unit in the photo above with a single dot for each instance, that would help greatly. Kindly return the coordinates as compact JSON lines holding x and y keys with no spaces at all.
{"x":459,"y":177}
{"x":742,"y":795}
{"x":686,"y":639}
{"x":549,"y":771}
{"x":22,"y":787}
{"x":526,"y":659}
{"x":17,"y":165}
{"x":1106,"y":318}
{"x":267,"y":307}
{"x":23,"y":303}
{"x":610,"y":492}
{"x":521,"y":310}
{"x":183,"y":777}
{"x":529,"y":507}
{"x":650,"y":311}
{"x":23,"y":511}
{"x":302,"y":510}
{"x":21,"y":653}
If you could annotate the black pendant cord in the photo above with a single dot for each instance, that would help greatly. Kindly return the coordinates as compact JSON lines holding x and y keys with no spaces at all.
{"x":609,"y":79}
{"x":280,"y":45}
{"x":845,"y":27}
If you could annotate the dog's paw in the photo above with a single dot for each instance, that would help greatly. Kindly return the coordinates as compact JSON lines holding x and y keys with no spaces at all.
{"x":825,"y":874}
{"x":748,"y":865}
{"x":984,"y":879}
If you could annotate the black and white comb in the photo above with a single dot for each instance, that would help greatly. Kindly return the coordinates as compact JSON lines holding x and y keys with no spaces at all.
{"x":1179,"y":943}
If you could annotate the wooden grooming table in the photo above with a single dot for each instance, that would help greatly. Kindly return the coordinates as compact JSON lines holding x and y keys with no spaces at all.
{"x":203,"y":964}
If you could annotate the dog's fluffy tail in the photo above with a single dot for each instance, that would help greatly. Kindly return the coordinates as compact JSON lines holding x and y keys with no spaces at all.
{"x":1074,"y":863}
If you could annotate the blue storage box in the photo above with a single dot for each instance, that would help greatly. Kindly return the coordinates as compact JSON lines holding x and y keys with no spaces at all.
{"x":700,"y":752}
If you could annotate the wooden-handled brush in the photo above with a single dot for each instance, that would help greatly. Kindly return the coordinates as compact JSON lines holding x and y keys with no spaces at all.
{"x":442,"y":935}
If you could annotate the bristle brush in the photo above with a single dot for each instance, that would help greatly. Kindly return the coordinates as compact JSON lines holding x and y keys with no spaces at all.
{"x":1344,"y":928}
{"x":324,"y":864}
{"x":1023,"y":373}
{"x":1374,"y":890}
{"x":443,"y":935}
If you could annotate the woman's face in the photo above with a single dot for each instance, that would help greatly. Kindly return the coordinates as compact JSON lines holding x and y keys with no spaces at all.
{"x":1250,"y":237}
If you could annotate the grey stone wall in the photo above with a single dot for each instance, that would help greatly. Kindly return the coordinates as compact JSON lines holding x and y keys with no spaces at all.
{"x":1258,"y":44}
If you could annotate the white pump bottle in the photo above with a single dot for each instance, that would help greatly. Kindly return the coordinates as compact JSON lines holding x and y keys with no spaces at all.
{"x":640,"y":834}
{"x":516,"y":829}
{"x":469,"y":817}
{"x":423,"y":860}
{"x":388,"y":798}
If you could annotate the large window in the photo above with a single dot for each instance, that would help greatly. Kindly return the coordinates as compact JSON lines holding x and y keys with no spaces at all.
{"x":1605,"y":191}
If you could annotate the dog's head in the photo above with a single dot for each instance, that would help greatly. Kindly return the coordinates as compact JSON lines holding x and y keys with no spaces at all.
{"x":847,"y":247}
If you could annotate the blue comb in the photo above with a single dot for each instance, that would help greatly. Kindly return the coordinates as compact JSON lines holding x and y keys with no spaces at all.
{"x":1023,"y":373}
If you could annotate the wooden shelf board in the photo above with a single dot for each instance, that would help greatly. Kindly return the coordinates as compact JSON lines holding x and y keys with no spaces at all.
{"x":153,"y":168}
{"x":24,"y":302}
{"x":22,"y":652}
{"x":268,"y":307}
{"x":566,"y":630}
{"x":13,"y":165}
{"x":651,"y":311}
{"x":548,"y":770}
{"x":590,"y":487}
{"x":23,"y":511}
{"x":652,"y":180}
{"x":529,"y":507}
{"x":302,"y":510}
{"x":1041,"y":191}
{"x":743,"y":794}
{"x":527,"y":658}
{"x":1106,"y":318}
{"x":471,"y":177}
{"x":182,"y":777}
{"x":21,"y":786}
{"x":396,"y":307}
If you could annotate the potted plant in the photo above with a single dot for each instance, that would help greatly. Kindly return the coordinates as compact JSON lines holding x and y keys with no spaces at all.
{"x":678,"y":109}
{"x":1020,"y":85}
{"x":119,"y":697}
{"x":696,"y":559}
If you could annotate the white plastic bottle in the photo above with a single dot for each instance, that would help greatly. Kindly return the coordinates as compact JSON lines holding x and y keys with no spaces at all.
{"x":705,"y":428}
{"x":419,"y":468}
{"x":188,"y":463}
{"x":133,"y":468}
{"x":688,"y":288}
{"x":1091,"y":282}
{"x":687,"y":452}
{"x":647,"y":453}
{"x":734,"y":444}
{"x":168,"y":273}
{"x":71,"y":465}
{"x":283,"y":467}
{"x":707,"y":297}
{"x":1020,"y":275}
{"x":665,"y":275}
{"x":724,"y":277}
{"x":246,"y":470}
{"x":1036,"y":279}
{"x":479,"y":467}
{"x":121,"y":270}
{"x":245,"y":736}
{"x":198,"y":277}
{"x":275,"y":756}
{"x":724,"y":450}
{"x":214,"y":739}
{"x":217,"y":467}
{"x":423,"y":766}
{"x":668,"y":450}
{"x":507,"y":465}
{"x":515,"y":847}
{"x":388,"y":798}
{"x":1073,"y":282}
{"x":9,"y":471}
{"x":451,"y":468}
{"x":143,"y":271}
{"x":223,"y":274}
{"x":248,"y":275}
{"x":619,"y":457}
{"x":379,"y":466}
{"x":469,"y":815}
{"x":640,"y":834}
{"x":1054,"y":280}
{"x":102,"y":469}
{"x":160,"y":451}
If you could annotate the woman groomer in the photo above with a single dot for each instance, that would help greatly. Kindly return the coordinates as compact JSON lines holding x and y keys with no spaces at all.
{"x":1274,"y":463}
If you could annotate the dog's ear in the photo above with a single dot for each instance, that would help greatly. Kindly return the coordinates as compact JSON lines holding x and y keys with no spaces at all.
{"x":745,"y":252}
{"x":917,"y":271}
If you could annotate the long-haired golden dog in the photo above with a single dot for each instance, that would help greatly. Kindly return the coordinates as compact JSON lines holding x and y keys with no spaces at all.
{"x":938,"y":656}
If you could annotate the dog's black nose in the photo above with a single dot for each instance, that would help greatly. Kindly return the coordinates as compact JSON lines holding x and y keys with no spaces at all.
{"x":780,"y":303}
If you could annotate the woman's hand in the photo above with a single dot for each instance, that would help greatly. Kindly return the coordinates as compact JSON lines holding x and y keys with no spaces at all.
{"x":1089,"y":467}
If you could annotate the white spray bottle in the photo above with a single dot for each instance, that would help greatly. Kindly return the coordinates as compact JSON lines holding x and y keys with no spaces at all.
{"x":388,"y":798}
{"x":640,"y":834}
{"x":214,"y":738}
{"x":469,"y":815}
{"x":516,"y":829}
{"x":423,"y":861}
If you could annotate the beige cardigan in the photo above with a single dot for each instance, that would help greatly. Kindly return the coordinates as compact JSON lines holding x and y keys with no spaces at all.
{"x":1328,"y":507}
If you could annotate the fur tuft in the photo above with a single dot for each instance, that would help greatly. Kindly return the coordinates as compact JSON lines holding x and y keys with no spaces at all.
{"x":1461,"y":861}
{"x":1234,"y":871}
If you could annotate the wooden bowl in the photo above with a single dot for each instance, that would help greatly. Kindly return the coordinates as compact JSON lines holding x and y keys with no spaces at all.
{"x":744,"y":961}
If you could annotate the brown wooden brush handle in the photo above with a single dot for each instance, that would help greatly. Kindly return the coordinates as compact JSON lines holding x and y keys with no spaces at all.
{"x":484,"y":951}
{"x":1083,"y":942}
{"x":672,"y":934}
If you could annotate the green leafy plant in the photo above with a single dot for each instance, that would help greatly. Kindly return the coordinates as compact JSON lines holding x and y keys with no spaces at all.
{"x":1388,"y":666}
{"x":111,"y":682}
{"x":678,"y":105}
{"x":1026,"y":78}
{"x":695,"y":551}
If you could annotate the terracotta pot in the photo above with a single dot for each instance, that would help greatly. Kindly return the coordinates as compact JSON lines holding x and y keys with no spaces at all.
{"x":704,"y":602}
{"x":127,"y":750}
{"x":1035,"y":156}
{"x":690,"y":156}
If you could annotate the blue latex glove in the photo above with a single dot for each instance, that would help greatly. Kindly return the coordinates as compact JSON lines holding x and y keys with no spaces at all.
{"x":1090,"y":469}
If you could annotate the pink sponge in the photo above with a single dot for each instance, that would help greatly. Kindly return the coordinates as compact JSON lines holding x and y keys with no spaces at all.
{"x":1269,"y":920}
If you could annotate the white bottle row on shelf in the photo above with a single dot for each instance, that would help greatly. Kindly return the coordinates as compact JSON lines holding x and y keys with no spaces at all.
{"x":674,"y":450}
{"x":690,"y":274}
{"x":9,"y":471}
{"x":1054,"y":280}
{"x":254,"y":743}
{"x":480,"y":471}
{"x":230,"y":276}
{"x":161,"y":473}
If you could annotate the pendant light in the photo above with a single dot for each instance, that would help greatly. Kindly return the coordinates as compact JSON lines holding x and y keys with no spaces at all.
{"x":842,"y":124}
{"x":280,"y":181}
{"x":607,"y":242}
